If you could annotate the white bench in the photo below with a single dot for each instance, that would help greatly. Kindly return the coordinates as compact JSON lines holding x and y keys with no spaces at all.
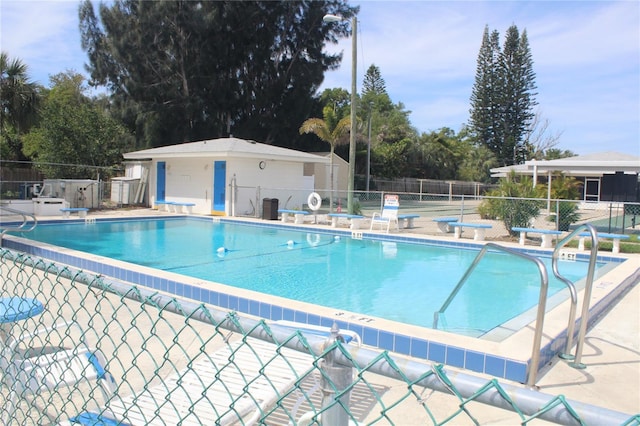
{"x":297,"y":214}
{"x":175,"y":206}
{"x":162,"y":205}
{"x":615,"y":237}
{"x":409,"y":218}
{"x":478,"y":229}
{"x":178,"y":207}
{"x":82,"y":211}
{"x":354,"y":219}
{"x":443,"y":223}
{"x":546,"y":235}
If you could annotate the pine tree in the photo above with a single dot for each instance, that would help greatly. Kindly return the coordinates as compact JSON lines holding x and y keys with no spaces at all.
{"x":373,"y":82}
{"x":503,"y":95}
{"x":485,"y":97}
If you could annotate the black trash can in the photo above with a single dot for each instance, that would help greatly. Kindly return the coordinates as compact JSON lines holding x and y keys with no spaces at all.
{"x":270,"y":208}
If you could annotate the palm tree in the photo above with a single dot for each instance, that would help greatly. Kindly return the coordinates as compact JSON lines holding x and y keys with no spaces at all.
{"x":18,"y":102}
{"x":331,"y":131}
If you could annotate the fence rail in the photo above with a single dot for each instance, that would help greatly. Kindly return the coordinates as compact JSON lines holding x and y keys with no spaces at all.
{"x":151,"y":347}
{"x":249,"y":201}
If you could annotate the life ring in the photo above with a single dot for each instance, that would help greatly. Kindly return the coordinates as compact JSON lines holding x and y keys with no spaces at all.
{"x":314,"y":201}
{"x":313,"y":239}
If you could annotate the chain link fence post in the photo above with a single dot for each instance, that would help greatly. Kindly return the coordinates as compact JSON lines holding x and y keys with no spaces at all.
{"x":335,"y":379}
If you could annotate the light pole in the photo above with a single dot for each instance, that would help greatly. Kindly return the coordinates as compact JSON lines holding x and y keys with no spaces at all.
{"x":369,"y":149}
{"x":352,"y":136}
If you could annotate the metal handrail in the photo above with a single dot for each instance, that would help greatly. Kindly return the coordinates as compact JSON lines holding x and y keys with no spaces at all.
{"x":22,"y":226}
{"x":574,"y":297}
{"x":542,"y":301}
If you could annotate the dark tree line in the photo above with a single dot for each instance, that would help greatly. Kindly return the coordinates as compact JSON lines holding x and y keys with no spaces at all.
{"x":188,"y":70}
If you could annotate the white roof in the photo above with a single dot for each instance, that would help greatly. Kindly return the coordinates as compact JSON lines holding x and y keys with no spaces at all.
{"x":225,"y":148}
{"x":584,"y":165}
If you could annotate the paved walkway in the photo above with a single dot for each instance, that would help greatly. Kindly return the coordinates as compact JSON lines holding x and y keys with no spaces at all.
{"x":611,"y":354}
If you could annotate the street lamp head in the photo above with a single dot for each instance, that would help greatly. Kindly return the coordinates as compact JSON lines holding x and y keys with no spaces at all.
{"x":331,"y":18}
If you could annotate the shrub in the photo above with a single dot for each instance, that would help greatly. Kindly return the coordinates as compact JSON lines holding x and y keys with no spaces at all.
{"x":563,"y":188}
{"x":514,"y":202}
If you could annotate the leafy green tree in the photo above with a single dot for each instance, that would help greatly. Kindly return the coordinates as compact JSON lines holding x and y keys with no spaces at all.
{"x":386,"y":122}
{"x":389,"y":128}
{"x":555,"y":154}
{"x":19,"y":100}
{"x":74,"y":130}
{"x":185,"y":70}
{"x":503,"y":95}
{"x":332,"y":130}
{"x":390,"y":160}
{"x":338,"y":99}
{"x":436,"y":155}
{"x":477,"y":164}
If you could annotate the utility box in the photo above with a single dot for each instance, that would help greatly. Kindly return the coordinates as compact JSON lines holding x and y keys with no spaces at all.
{"x":270,"y":208}
{"x":77,"y":192}
{"x":123,"y":190}
{"x":48,"y":206}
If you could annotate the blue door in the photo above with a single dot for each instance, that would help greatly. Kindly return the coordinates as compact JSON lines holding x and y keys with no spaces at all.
{"x":219,"y":186}
{"x":160,"y":181}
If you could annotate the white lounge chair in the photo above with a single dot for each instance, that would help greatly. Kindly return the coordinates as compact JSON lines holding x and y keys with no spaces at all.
{"x":29,"y":371}
{"x":236,"y":383}
{"x":389,"y":214}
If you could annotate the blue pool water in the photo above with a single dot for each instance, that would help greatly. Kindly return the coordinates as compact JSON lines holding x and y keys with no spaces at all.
{"x":405,"y":282}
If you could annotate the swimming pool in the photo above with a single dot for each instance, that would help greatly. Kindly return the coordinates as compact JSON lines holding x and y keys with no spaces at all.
{"x":398,"y":281}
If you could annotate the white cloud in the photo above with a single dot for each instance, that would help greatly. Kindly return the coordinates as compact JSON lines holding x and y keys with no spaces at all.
{"x":43,"y":34}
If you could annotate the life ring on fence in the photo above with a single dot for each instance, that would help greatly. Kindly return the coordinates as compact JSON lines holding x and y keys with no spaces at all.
{"x":314,"y":201}
{"x":313,"y":239}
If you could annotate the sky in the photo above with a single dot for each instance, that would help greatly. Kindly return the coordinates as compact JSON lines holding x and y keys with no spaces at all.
{"x":586,"y":58}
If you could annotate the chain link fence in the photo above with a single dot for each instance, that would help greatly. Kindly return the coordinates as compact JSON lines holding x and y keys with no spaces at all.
{"x":80,"y":349}
{"x":428,"y":199}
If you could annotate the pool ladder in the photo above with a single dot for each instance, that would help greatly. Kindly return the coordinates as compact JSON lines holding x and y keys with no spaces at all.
{"x":557,"y":255}
{"x":542,"y":300}
{"x":19,"y":228}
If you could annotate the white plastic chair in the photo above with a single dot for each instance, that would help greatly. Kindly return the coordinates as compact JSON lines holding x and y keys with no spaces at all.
{"x":29,"y":372}
{"x":389,"y":214}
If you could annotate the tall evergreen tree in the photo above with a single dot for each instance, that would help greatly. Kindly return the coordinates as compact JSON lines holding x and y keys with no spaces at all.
{"x":503,"y":95}
{"x":186,"y":70}
{"x":486,"y":93}
{"x":374,"y":100}
{"x":373,"y":82}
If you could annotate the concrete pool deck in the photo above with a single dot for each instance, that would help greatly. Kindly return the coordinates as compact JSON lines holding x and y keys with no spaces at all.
{"x":611,"y":352}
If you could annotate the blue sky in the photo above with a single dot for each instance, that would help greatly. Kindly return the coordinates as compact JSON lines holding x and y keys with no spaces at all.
{"x":586,"y":58}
